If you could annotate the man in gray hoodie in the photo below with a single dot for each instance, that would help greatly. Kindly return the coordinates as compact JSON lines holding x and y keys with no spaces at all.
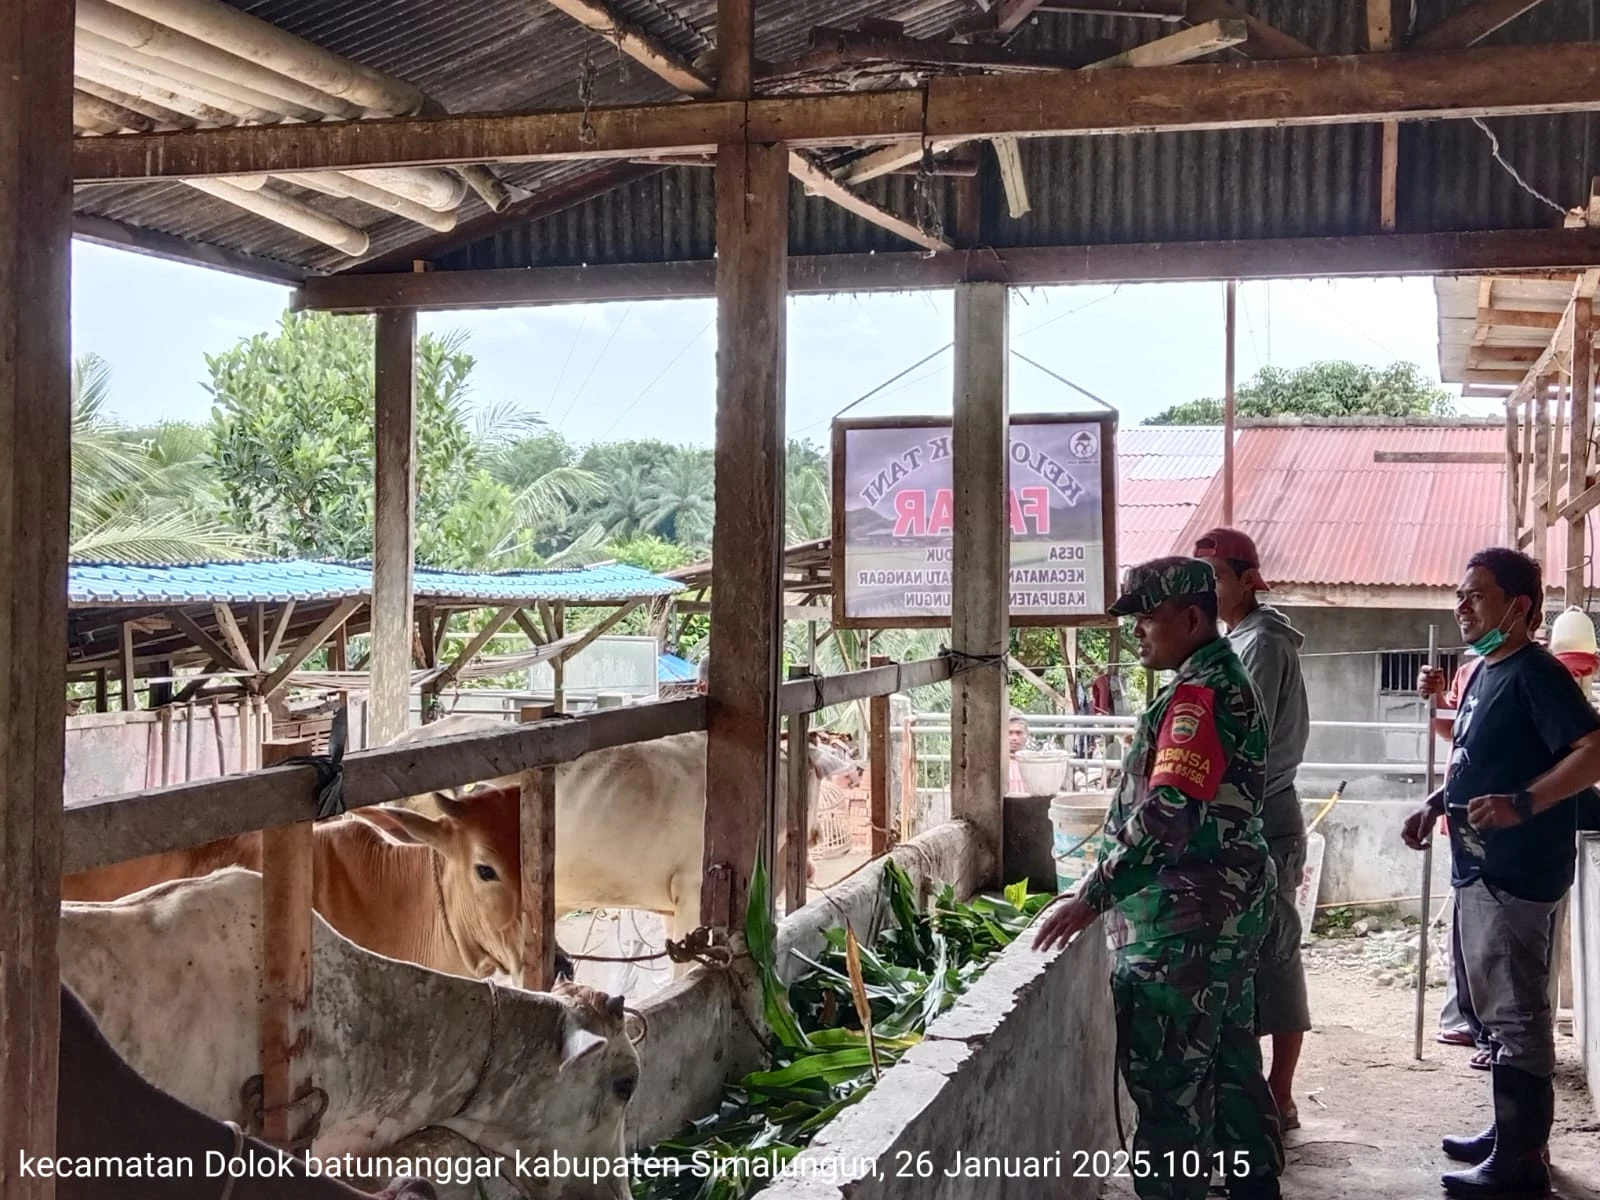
{"x":1269,"y":647}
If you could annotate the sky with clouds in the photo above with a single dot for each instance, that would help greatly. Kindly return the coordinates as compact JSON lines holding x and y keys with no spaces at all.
{"x":611,"y":371}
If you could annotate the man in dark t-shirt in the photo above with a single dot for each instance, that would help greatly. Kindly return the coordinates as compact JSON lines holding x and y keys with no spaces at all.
{"x":1524,"y":743}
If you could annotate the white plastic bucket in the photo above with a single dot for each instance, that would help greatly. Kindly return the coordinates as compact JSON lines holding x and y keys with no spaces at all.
{"x":1042,"y":771}
{"x":1077,"y":818}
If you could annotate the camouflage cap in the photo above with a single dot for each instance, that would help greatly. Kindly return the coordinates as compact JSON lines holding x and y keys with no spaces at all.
{"x":1146,"y":585}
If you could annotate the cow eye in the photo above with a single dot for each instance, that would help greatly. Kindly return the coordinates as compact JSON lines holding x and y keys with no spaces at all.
{"x":623,"y":1086}
{"x":486,"y":873}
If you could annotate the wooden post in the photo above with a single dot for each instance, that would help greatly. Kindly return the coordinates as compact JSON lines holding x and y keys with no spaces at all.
{"x":798,"y":818}
{"x":286,"y":892}
{"x":878,"y":765}
{"x":188,"y":741}
{"x":130,"y":699}
{"x":394,"y":528}
{"x":1230,"y":331}
{"x":1539,"y":509}
{"x":102,"y":691}
{"x":752,"y":185}
{"x":538,"y":816}
{"x":1513,"y":515}
{"x":1382,"y":35}
{"x":980,"y":561}
{"x":36,"y":39}
{"x":558,"y":669}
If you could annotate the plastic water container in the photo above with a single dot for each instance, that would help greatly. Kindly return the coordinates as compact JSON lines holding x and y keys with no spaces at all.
{"x":1042,"y":771}
{"x":1077,"y":818}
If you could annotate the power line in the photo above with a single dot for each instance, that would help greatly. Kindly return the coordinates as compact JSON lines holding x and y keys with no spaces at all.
{"x":657,"y":379}
{"x":616,"y":329}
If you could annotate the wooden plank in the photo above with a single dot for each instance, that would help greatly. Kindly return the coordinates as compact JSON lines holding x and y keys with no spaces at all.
{"x":878,"y":767}
{"x":286,"y":893}
{"x":1013,"y":181}
{"x":238,"y":646}
{"x":479,"y":640}
{"x":816,"y":179}
{"x":1541,"y":474}
{"x":980,"y":550}
{"x":1175,"y":48}
{"x":1584,"y":502}
{"x":394,"y":524}
{"x":528,"y":627}
{"x":130,"y":699}
{"x":1501,"y":81}
{"x":1554,"y":477}
{"x":633,"y":41}
{"x":220,"y":654}
{"x":747,"y":539}
{"x":1472,"y":24}
{"x":36,"y":38}
{"x":811,"y":693}
{"x":1266,"y":41}
{"x":600,"y":628}
{"x":1150,"y":262}
{"x":1578,"y":566}
{"x":798,"y":817}
{"x":110,"y":829}
{"x":1012,"y":13}
{"x":307,"y":645}
{"x":558,"y":668}
{"x":1157,"y":10}
{"x":538,"y":830}
{"x":1517,"y":318}
{"x":736,"y":37}
{"x":280,"y":626}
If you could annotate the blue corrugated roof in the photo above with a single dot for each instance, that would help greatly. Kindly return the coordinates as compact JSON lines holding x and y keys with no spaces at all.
{"x":262,"y":581}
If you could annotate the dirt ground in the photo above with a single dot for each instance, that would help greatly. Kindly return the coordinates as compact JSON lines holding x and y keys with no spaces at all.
{"x":1372,"y":1116}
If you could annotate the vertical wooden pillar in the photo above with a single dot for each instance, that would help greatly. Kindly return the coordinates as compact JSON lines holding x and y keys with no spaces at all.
{"x":286,"y":893}
{"x":798,"y":828}
{"x":558,"y":668}
{"x":1513,"y":514}
{"x":1539,"y":508}
{"x":130,"y":698}
{"x":980,"y":560}
{"x":102,"y":691}
{"x":538,"y":873}
{"x":878,"y":765}
{"x":752,"y":185}
{"x":394,"y":526}
{"x":1386,"y":30}
{"x":35,"y":420}
{"x":1230,"y":329}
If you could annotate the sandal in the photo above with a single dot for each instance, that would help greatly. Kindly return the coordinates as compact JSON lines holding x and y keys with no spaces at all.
{"x":1456,"y":1037}
{"x":1482,"y":1060}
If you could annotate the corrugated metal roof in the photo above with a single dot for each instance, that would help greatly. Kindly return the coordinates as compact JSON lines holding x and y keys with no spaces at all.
{"x":264,"y":581}
{"x":1321,"y":511}
{"x":493,"y":55}
{"x":1163,"y":471}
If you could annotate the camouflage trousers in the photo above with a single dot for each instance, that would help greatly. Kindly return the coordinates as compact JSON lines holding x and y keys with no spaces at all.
{"x":1189,"y":1055}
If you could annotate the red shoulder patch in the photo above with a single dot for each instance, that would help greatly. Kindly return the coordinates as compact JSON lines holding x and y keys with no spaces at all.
{"x":1188,"y":750}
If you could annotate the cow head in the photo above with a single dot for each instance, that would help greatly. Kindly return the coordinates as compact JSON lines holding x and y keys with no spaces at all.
{"x":561,"y":1079}
{"x":478,"y":857}
{"x":828,"y":758}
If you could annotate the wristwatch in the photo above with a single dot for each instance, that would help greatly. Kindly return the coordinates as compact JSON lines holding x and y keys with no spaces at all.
{"x":1522,"y":803}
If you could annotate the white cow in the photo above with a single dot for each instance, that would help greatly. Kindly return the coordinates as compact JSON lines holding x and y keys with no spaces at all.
{"x":172,"y":976}
{"x":630,"y":820}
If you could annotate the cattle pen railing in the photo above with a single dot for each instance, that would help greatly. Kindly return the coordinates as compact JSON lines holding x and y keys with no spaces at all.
{"x":282,"y":801}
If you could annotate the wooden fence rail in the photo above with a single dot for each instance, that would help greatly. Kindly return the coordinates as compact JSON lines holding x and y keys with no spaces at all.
{"x":111,"y":829}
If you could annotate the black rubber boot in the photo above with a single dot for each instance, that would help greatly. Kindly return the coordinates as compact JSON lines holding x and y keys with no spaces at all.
{"x":1524,"y":1108}
{"x":1472,"y":1149}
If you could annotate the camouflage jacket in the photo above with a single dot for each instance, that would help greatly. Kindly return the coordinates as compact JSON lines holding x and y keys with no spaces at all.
{"x":1182,"y":848}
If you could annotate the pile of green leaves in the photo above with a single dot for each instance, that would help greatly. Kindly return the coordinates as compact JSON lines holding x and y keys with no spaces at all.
{"x":824,"y":1056}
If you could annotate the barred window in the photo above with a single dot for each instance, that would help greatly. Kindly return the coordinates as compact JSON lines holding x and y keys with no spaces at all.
{"x":1398,"y":669}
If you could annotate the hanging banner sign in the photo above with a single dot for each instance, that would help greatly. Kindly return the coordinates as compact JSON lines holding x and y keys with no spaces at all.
{"x":894,"y":511}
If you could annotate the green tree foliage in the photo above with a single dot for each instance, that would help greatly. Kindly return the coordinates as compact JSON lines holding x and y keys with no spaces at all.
{"x":292,"y":422}
{"x":1323,"y":389}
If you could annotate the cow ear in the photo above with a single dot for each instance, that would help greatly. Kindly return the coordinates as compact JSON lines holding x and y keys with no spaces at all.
{"x":578,"y":1045}
{"x":405,"y":826}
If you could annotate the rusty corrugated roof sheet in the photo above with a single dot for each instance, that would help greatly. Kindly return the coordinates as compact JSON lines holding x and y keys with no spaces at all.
{"x":1163,"y":472}
{"x":1322,"y":511}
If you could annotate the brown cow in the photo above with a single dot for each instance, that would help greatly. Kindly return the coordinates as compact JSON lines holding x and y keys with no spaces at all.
{"x":443,"y":892}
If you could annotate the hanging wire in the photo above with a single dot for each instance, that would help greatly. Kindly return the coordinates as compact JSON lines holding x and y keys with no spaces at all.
{"x":1063,"y":379}
{"x":1494,"y":149}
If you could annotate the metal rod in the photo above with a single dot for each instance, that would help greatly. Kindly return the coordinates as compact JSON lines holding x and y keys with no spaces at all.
{"x":1227,"y":404}
{"x":1427,"y":856}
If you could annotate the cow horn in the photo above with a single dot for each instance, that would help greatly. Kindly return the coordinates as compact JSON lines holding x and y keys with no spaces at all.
{"x":448,"y":804}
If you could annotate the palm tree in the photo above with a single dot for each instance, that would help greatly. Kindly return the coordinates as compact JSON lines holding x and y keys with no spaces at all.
{"x":628,"y":505}
{"x":680,"y":496}
{"x":130,"y":502}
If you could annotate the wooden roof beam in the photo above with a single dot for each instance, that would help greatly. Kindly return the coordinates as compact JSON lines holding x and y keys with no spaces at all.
{"x":1560,"y":346}
{"x":1167,"y":51}
{"x":1265,"y":41}
{"x":1481,"y":82}
{"x":666,"y":63}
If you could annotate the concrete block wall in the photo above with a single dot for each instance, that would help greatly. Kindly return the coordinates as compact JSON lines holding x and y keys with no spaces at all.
{"x":1009,"y":1096}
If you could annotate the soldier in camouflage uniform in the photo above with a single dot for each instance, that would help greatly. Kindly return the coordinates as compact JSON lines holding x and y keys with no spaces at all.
{"x":1186,"y":884}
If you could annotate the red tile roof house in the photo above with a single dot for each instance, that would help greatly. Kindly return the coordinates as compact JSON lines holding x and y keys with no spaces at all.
{"x":1363,"y":549}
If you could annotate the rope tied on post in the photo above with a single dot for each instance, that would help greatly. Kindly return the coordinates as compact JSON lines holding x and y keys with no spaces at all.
{"x":329,"y":767}
{"x":961,"y":663}
{"x":700,"y":945}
